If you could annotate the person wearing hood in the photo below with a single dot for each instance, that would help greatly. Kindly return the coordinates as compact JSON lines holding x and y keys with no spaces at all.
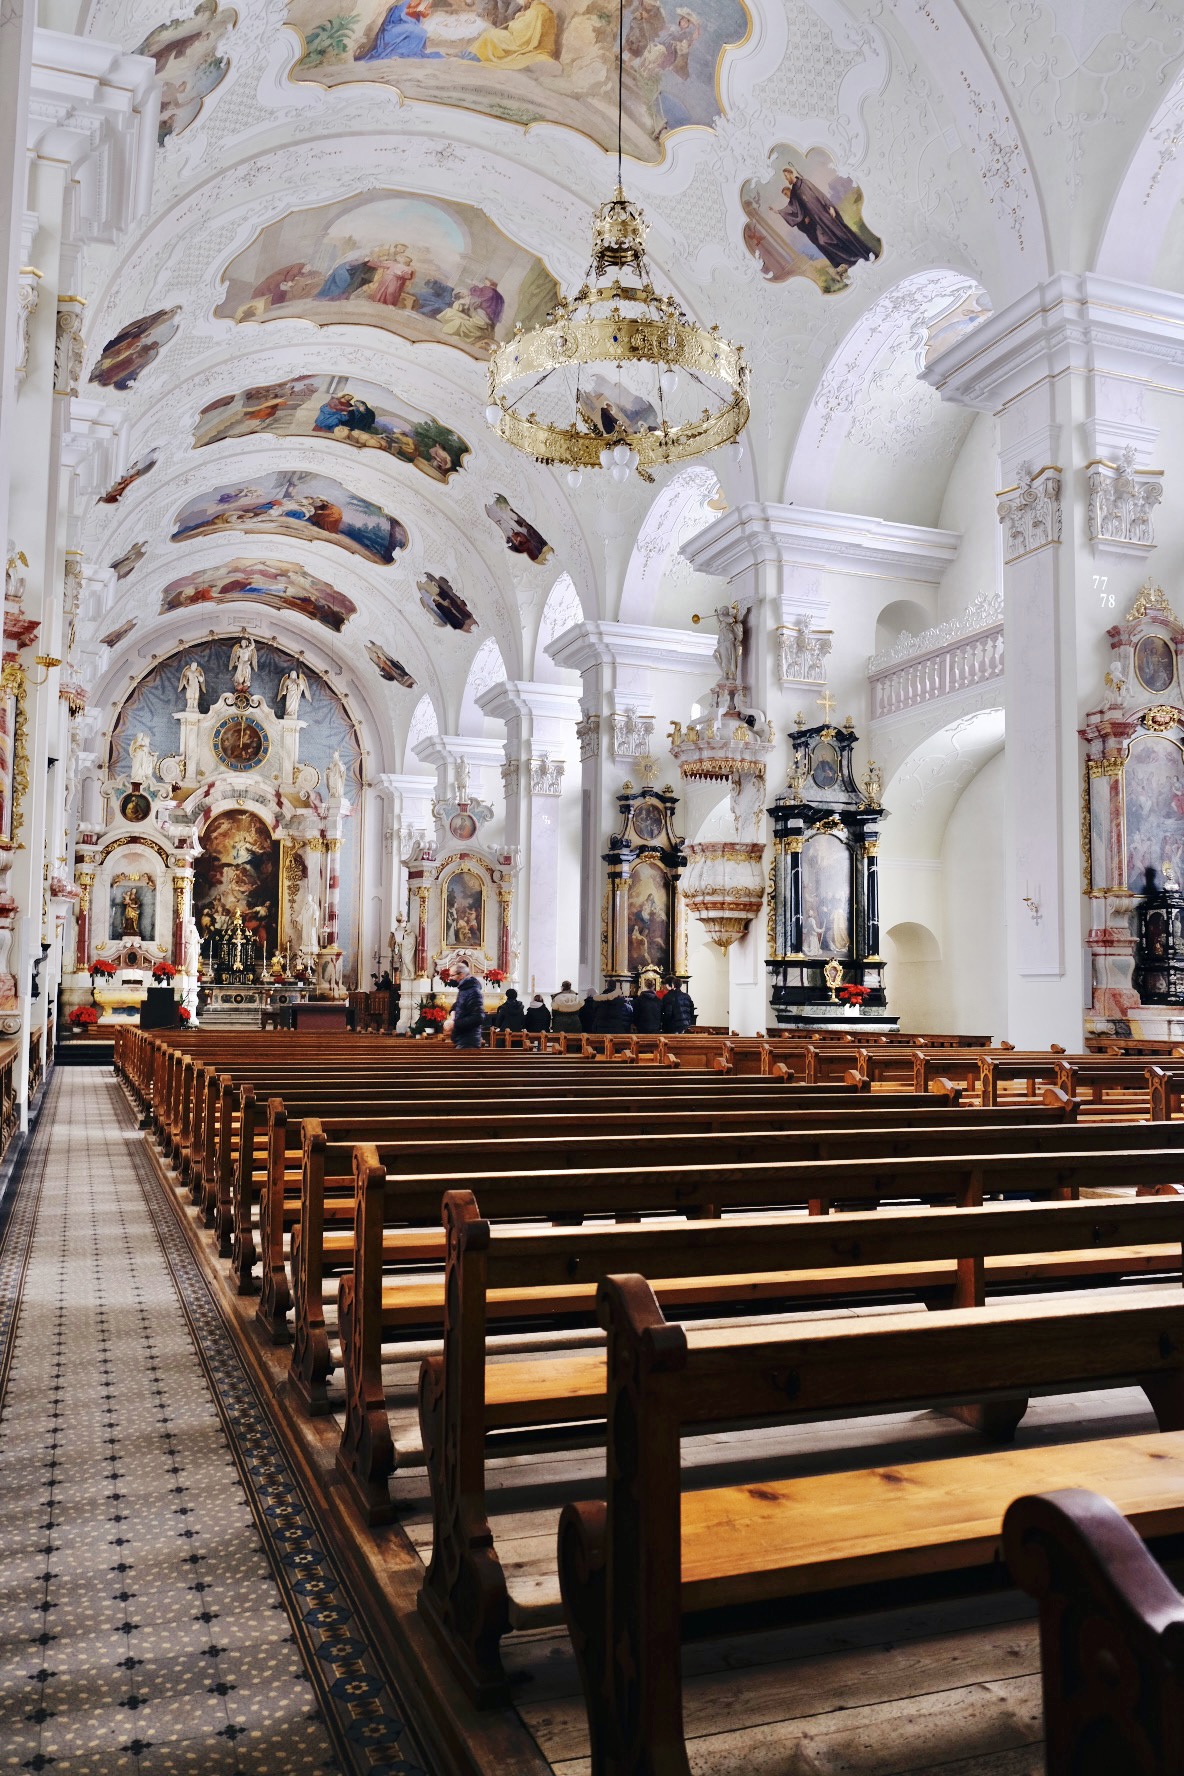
{"x":468,"y":1013}
{"x":511,"y":1013}
{"x":538,"y":1018}
{"x":613,"y":1013}
{"x":587,"y":1012}
{"x":647,"y":1012}
{"x":678,"y":1011}
{"x":565,"y":1010}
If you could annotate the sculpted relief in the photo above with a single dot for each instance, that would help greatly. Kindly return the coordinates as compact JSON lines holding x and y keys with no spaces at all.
{"x":532,"y":61}
{"x":421,"y":267}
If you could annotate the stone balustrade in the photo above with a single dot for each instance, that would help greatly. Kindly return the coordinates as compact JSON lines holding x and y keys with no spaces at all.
{"x":955,"y":656}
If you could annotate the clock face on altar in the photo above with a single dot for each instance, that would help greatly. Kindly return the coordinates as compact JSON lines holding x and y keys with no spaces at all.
{"x":240,"y":743}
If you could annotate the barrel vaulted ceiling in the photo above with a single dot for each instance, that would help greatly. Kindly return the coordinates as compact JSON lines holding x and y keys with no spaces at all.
{"x":334,"y":174}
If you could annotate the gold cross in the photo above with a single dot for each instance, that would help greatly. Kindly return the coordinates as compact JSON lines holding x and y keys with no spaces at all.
{"x":826,"y":703}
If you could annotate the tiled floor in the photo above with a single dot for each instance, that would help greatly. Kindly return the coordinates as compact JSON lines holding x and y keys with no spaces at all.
{"x":159,"y":1574}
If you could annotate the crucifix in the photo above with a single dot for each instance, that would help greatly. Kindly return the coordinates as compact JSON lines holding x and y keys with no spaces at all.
{"x":826,"y":702}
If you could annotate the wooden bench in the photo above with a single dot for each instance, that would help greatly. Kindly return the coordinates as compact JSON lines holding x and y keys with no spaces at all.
{"x":638,"y":1568}
{"x":1111,"y":1632}
{"x":946,"y":1257}
{"x":389,"y":1205}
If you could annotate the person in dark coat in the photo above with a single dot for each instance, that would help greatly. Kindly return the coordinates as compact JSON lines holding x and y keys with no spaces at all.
{"x":587,"y":1013}
{"x":678,"y":1011}
{"x":647,"y":1012}
{"x":614,"y":1013}
{"x":511,"y":1013}
{"x":468,"y":1013}
{"x":538,"y":1017}
{"x":565,"y":1011}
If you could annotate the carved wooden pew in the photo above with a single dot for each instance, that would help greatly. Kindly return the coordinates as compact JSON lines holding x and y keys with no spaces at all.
{"x":1165,"y":1092}
{"x":1111,"y":1631}
{"x":389,"y":1202}
{"x":638,"y":1569}
{"x":947,"y":1257}
{"x":277,"y":1161}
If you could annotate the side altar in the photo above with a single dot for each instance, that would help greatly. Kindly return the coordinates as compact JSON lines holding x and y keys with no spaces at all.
{"x":824,"y":898}
{"x":220,"y":851}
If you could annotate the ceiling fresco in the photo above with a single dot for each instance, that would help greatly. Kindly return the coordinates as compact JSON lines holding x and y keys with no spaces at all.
{"x":521,"y":537}
{"x":133,"y":348}
{"x":128,"y":562}
{"x":533,"y":61}
{"x":189,"y":63}
{"x":128,"y":479}
{"x":357,"y":413}
{"x":296,"y":504}
{"x":388,"y":667}
{"x":807,"y":221}
{"x":280,"y":585}
{"x":444,"y":604}
{"x":420,"y":267}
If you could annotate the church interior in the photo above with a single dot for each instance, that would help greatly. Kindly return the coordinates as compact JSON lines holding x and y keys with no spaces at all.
{"x":592,"y":888}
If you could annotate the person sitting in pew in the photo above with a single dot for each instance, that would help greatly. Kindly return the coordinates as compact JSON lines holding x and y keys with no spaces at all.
{"x":565,"y":1011}
{"x":613,"y":1015}
{"x":538,"y":1019}
{"x":647,"y":1012}
{"x":678,"y":1011}
{"x":511,"y":1013}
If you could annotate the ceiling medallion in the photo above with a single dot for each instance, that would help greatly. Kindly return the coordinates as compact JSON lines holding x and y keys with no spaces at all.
{"x":617,"y":376}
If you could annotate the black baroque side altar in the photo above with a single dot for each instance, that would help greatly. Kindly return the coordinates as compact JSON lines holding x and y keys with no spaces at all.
{"x":824,"y":898}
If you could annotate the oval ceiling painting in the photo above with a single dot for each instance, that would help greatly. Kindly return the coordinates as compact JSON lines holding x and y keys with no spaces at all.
{"x":298,"y":504}
{"x":532,"y":61}
{"x":423,"y":268}
{"x":358,"y":413}
{"x":281,"y":585}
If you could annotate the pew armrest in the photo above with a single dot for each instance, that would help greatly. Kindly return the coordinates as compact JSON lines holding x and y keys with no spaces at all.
{"x":1111,"y":1634}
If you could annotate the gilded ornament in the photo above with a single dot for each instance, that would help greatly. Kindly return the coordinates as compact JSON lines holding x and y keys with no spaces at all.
{"x":1151,"y":598}
{"x":1111,"y":766}
{"x":1161,"y":719}
{"x":1086,"y":840}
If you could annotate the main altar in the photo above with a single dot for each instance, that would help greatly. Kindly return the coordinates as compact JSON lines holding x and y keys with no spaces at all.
{"x":221,"y":851}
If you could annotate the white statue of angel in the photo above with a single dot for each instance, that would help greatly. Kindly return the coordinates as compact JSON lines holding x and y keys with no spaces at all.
{"x":142,"y":759}
{"x":191,"y":683}
{"x":243,"y":662}
{"x":335,"y":778}
{"x":293,"y":686}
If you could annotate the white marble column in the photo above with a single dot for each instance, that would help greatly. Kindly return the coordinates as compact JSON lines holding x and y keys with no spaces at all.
{"x":1072,"y":372}
{"x":540,"y":724}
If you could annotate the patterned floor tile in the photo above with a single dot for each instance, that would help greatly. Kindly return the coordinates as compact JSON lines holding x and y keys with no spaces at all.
{"x":153,"y":1621}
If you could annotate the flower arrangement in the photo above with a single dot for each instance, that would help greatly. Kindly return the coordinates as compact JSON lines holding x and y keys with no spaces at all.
{"x":103,"y":968}
{"x":496,"y":975}
{"x":84,"y":1014}
{"x":445,"y":975}
{"x":433,"y":1014}
{"x":184,"y":1014}
{"x":851,"y":994}
{"x":163,"y":971}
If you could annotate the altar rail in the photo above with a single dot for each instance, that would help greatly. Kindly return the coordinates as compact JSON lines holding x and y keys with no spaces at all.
{"x":958,"y":655}
{"x":9,"y":1107}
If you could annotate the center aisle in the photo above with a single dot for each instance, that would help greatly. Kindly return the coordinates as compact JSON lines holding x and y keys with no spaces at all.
{"x":166,"y":1604}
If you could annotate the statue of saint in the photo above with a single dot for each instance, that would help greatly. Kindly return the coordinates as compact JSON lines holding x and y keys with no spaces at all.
{"x":131,"y":913}
{"x":729,"y":646}
{"x":308,"y":925}
{"x":191,"y":683}
{"x":335,"y":778}
{"x":293,"y":686}
{"x":462,"y":779}
{"x":243,"y":662}
{"x":142,"y":759}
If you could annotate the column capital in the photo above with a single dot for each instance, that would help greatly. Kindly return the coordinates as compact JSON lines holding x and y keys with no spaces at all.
{"x":1079,"y":322}
{"x":636,"y":645}
{"x":760,"y":535}
{"x":96,"y":109}
{"x":516,"y":699}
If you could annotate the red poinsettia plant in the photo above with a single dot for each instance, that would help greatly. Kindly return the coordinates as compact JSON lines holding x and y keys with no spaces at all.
{"x":103,"y":968}
{"x":184,"y":1013}
{"x":433,"y":1014}
{"x":163,"y":971}
{"x":84,"y":1014}
{"x":496,"y":975}
{"x":851,"y":994}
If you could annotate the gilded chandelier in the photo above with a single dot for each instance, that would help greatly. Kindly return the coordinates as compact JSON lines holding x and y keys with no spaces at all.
{"x":617,"y":376}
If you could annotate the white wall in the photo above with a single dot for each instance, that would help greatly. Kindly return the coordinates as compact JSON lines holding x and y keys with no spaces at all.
{"x":973,"y":907}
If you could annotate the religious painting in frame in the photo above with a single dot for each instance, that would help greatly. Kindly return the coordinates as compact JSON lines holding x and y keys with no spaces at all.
{"x":826,"y":896}
{"x":1153,"y":792}
{"x":296,"y":504}
{"x":425,"y":268}
{"x":532,"y":61}
{"x":806,"y":220}
{"x":133,"y":909}
{"x":1155,"y":664}
{"x":464,"y":910}
{"x":360,"y":414}
{"x":649,"y":917}
{"x":237,"y":871}
{"x":281,"y":585}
